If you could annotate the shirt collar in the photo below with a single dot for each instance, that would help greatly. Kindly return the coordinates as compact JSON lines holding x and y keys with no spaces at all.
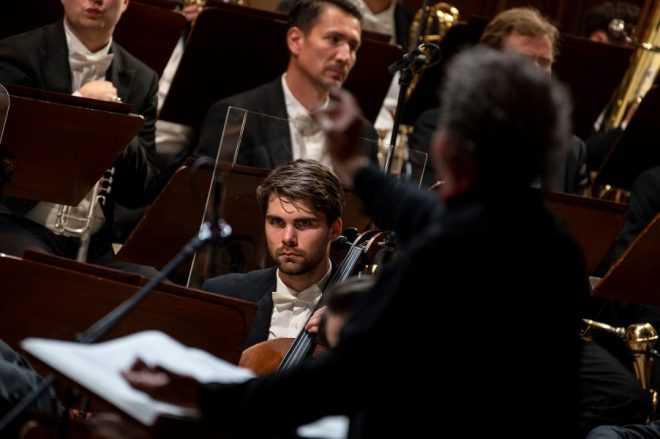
{"x":76,"y":46}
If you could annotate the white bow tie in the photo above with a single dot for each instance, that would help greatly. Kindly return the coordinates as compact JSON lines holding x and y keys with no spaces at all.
{"x":285,"y":301}
{"x":90,"y":64}
{"x":305,"y":125}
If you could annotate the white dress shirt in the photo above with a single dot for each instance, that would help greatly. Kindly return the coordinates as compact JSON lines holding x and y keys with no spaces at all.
{"x":307,"y":138}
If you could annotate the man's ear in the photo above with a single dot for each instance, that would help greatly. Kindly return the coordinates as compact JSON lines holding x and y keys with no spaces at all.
{"x":124,"y":5}
{"x":294,"y":39}
{"x":336,"y":228}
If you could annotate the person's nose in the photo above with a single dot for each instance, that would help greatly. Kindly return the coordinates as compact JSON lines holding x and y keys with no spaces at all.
{"x":289,"y":236}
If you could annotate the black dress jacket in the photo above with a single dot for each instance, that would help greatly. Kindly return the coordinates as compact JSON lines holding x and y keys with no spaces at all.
{"x":266,"y":142}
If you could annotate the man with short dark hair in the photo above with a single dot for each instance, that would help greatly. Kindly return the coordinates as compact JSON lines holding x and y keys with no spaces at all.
{"x":322,"y":38}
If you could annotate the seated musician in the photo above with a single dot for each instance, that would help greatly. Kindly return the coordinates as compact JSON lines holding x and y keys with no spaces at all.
{"x":302,"y":202}
{"x":77,"y":55}
{"x":524,"y":31}
{"x":478,"y":258}
{"x":323,"y":38}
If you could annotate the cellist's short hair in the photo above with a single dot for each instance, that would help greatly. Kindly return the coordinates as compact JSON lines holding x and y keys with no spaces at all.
{"x":304,"y":180}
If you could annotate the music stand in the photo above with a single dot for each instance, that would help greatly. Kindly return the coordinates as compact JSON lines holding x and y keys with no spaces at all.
{"x":592,"y":72}
{"x":61,"y":300}
{"x":595,"y":223}
{"x":634,"y":276}
{"x":635,"y":151}
{"x":226,"y":54}
{"x":93,"y":132}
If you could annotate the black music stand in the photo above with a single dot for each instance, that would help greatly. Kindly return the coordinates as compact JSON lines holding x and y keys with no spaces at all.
{"x":636,"y":149}
{"x":232,"y":49}
{"x":60,"y":144}
{"x":592,"y":72}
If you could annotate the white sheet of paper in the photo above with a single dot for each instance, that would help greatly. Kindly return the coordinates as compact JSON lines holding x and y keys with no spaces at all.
{"x":98,"y":368}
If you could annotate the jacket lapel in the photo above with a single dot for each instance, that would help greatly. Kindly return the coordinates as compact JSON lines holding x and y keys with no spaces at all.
{"x":54,"y":56}
{"x":121,"y":76}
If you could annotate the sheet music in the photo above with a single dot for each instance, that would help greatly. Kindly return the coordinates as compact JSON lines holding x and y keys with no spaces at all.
{"x":98,"y":367}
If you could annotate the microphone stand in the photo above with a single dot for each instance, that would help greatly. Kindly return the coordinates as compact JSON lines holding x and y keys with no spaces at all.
{"x":412,"y":62}
{"x":209,"y":231}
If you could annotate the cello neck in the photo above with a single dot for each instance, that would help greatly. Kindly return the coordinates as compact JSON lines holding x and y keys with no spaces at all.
{"x":303,"y":344}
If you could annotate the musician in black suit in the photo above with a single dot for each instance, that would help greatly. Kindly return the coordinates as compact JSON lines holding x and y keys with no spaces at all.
{"x":525,"y":31}
{"x":453,"y":289}
{"x":323,"y":38}
{"x":302,"y":202}
{"x":78,"y":56}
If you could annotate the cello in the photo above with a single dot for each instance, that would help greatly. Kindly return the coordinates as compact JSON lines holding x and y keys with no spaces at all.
{"x":283,"y":353}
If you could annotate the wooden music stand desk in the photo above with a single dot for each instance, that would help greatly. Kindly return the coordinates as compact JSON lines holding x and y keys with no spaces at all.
{"x":45,"y":296}
{"x":595,"y":223}
{"x":61,"y":145}
{"x":634,"y":276}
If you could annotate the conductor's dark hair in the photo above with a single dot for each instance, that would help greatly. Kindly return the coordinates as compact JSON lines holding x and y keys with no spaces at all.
{"x":503,"y":116}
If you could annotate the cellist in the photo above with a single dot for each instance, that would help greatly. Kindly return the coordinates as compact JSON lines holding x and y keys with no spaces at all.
{"x":302,"y":203}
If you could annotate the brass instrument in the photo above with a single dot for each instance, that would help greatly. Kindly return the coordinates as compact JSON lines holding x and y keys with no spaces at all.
{"x":78,"y":220}
{"x":640,"y":339}
{"x":438,"y":18}
{"x":400,"y":154}
{"x":641,"y":74}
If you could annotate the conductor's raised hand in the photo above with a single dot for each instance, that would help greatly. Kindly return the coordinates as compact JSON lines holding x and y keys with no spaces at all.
{"x":342,"y":123}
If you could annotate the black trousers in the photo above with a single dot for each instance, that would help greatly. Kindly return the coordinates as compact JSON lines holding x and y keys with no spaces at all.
{"x":609,"y":392}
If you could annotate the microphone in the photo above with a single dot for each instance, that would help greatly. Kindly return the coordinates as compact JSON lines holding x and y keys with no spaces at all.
{"x":421,"y":57}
